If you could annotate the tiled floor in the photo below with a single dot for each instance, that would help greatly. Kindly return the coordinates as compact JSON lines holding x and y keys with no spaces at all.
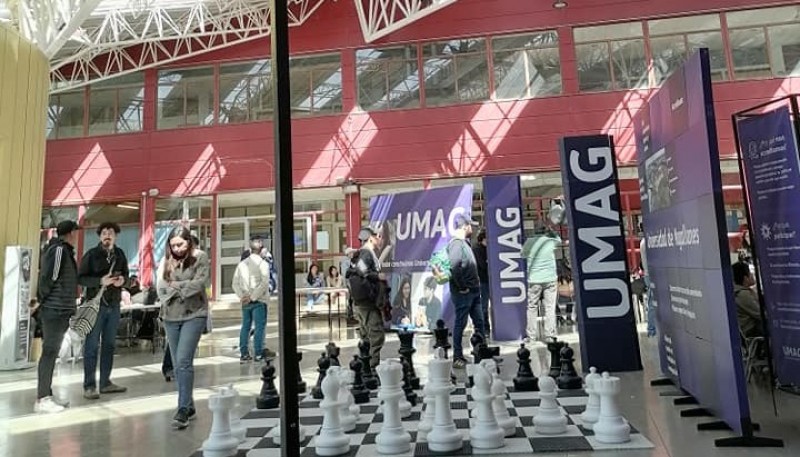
{"x":137,"y":423}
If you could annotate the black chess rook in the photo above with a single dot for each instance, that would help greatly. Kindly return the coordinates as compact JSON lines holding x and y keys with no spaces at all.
{"x":268,"y":398}
{"x":525,"y":381}
{"x":568,"y":379}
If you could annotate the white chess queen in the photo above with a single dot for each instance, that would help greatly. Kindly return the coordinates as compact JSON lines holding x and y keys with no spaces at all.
{"x":393,"y":438}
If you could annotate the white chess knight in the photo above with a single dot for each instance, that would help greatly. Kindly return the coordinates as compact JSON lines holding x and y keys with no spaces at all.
{"x":549,"y":420}
{"x":592,"y":412}
{"x":610,"y":427}
{"x":486,"y":433}
{"x":237,"y":429}
{"x":392,"y":438}
{"x":331,"y":440}
{"x":346,"y":416}
{"x":443,"y":437}
{"x":504,"y":419}
{"x":220,"y":443}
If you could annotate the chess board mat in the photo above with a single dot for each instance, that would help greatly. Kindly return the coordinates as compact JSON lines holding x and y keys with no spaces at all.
{"x":521,"y":405}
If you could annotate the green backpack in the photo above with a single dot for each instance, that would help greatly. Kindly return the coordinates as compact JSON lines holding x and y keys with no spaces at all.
{"x":441,"y":260}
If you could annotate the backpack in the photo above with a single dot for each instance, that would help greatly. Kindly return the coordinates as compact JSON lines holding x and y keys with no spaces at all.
{"x":441,"y":260}
{"x":362,"y":287}
{"x":82,"y":322}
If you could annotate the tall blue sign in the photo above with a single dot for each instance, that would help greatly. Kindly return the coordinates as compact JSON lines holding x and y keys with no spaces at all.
{"x":600,"y":269}
{"x":509,"y":294}
{"x":772,"y":172}
{"x":687,"y":245}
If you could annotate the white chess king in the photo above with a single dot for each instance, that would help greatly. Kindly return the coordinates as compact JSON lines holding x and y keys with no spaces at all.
{"x":393,"y":438}
{"x":610,"y":428}
{"x":443,"y":437}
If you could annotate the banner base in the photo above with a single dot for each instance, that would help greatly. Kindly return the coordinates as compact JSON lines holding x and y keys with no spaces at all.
{"x":686,"y":400}
{"x":672,"y":393}
{"x":718,"y":426}
{"x":662,"y":382}
{"x":789,"y":389}
{"x":696,"y":412}
{"x":748,"y":441}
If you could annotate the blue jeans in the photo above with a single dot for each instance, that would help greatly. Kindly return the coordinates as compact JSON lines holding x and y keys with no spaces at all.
{"x":253,"y":313}
{"x":468,"y":304}
{"x":650,"y":310}
{"x":183,"y":337}
{"x":103,"y":337}
{"x":485,"y":290}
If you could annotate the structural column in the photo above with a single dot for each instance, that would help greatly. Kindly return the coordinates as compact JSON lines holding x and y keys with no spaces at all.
{"x":147,"y":215}
{"x":352,"y":211}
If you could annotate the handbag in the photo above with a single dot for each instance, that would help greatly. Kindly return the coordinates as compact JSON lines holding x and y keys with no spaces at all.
{"x":82,"y":322}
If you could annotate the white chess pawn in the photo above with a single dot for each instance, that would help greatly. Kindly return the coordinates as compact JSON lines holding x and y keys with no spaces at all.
{"x":486,"y":433}
{"x":346,"y":416}
{"x":237,"y":429}
{"x":275,"y":434}
{"x":444,"y":436}
{"x":549,"y":420}
{"x":331,"y":440}
{"x":392,"y":438}
{"x":610,"y":427}
{"x":220,"y":443}
{"x":592,"y":412}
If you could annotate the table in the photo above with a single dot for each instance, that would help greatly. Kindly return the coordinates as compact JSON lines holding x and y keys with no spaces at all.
{"x":140,"y":307}
{"x":330,"y":292}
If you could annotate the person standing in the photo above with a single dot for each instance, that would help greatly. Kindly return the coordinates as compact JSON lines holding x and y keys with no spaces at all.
{"x":251,"y":285}
{"x":103,"y":265}
{"x":57,"y":295}
{"x":182,"y":278}
{"x":364,"y":279}
{"x":650,"y":309}
{"x":465,"y":288}
{"x":482,"y":259}
{"x":540,"y":253}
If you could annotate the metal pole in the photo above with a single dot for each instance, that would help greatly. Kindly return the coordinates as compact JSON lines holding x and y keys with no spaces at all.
{"x":284,"y":208}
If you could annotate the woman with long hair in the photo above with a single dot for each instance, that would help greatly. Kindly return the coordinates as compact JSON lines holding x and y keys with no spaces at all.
{"x":401,"y":306}
{"x":182,"y":278}
{"x":314,"y":280}
{"x":336,"y":281}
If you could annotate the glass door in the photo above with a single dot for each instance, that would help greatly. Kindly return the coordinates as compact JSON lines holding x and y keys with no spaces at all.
{"x":233,"y":240}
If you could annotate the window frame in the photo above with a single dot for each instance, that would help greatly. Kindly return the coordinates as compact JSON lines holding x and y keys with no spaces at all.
{"x":491,"y":57}
{"x":417,"y":46}
{"x":454,"y":61}
{"x":214,"y":76}
{"x":607,"y":42}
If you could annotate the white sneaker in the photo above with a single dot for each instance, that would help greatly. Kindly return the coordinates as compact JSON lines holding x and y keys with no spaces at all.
{"x":60,"y":402}
{"x":47,"y":405}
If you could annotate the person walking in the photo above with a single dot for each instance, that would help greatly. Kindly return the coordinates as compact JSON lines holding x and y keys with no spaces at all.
{"x":182,"y":278}
{"x":540,"y":253}
{"x":482,"y":260}
{"x":364,"y":279}
{"x":251,"y":285}
{"x":465,"y":291}
{"x":57,"y":295}
{"x":649,"y":305}
{"x":103,"y":265}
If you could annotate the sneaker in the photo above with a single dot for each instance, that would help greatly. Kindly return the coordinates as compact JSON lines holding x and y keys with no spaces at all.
{"x":61,"y":402}
{"x":459,"y":362}
{"x":245,"y":359}
{"x":91,"y":394}
{"x":181,"y":419}
{"x":169,"y":376}
{"x":192,"y":415}
{"x":112,"y":388}
{"x":47,"y":405}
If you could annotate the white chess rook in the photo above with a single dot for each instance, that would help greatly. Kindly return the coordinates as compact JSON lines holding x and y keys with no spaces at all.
{"x":591,"y":414}
{"x":393,"y":438}
{"x":610,"y":428}
{"x":549,"y":420}
{"x":331,"y":440}
{"x":486,"y":433}
{"x":443,"y":437}
{"x":220,"y":443}
{"x":346,"y":417}
{"x":237,"y":429}
{"x":504,"y":419}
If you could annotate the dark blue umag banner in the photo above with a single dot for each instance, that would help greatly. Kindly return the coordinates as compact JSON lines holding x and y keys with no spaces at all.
{"x":772,"y":171}
{"x":411,"y":227}
{"x":599,"y":262}
{"x":507,"y":270}
{"x":687,"y":245}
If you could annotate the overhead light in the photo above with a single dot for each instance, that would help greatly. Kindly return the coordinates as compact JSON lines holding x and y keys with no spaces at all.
{"x":559,"y":4}
{"x":127,"y":206}
{"x":527,"y":178}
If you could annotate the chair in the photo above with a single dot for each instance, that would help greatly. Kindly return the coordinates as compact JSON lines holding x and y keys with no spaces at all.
{"x":753,"y":364}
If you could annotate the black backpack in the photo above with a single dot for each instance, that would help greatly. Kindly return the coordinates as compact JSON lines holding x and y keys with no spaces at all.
{"x":363,"y":287}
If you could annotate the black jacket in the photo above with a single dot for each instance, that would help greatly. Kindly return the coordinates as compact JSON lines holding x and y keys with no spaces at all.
{"x":482,"y":259}
{"x":95,"y":264}
{"x":58,"y":280}
{"x":463,"y":268}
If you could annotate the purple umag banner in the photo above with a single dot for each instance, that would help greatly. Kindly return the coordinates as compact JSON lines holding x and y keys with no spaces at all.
{"x":772,"y":172}
{"x":412,"y":226}
{"x":509,"y":295}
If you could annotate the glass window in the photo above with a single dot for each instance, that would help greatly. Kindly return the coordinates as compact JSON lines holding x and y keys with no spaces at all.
{"x":117,"y":105}
{"x":766,"y":42}
{"x":672,"y":41}
{"x":53,"y":215}
{"x":65,"y":115}
{"x":316,"y":85}
{"x":455,"y":71}
{"x":526,"y":66}
{"x":245,"y":92}
{"x":784,"y":49}
{"x":617,"y":62}
{"x":388,"y":78}
{"x":749,"y":51}
{"x":185,"y":97}
{"x":183,"y":209}
{"x":765,"y":16}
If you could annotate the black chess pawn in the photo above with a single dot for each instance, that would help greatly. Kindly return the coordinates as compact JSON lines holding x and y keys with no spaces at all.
{"x":370,"y":379}
{"x":555,"y":347}
{"x":476,"y":340}
{"x":411,"y":396}
{"x":268,"y":398}
{"x":568,"y":378}
{"x":407,"y":352}
{"x":333,"y":353}
{"x":441,"y":335}
{"x":301,"y":385}
{"x":323,"y":363}
{"x":359,"y":390}
{"x":525,"y":381}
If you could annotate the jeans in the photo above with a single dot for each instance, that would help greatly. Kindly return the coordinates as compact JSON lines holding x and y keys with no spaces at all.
{"x":166,"y":364}
{"x":183,"y":337}
{"x":650,"y":309}
{"x":313,"y":299}
{"x":468,"y":304}
{"x":253,"y":313}
{"x":55,"y":323}
{"x":103,"y":337}
{"x":485,"y":290}
{"x":548,"y":294}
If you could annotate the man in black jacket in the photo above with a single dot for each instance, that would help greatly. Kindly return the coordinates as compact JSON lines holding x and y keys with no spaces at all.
{"x":366,"y":288}
{"x":57,"y":294}
{"x":103,"y":265}
{"x":482,"y":260}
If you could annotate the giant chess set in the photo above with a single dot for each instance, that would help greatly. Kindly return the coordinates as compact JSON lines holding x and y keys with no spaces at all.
{"x":358,"y":411}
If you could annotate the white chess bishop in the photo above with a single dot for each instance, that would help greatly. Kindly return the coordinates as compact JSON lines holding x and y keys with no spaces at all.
{"x":331,"y":440}
{"x":610,"y":427}
{"x":592,"y":412}
{"x":549,"y":420}
{"x":392,"y":438}
{"x":220,"y":443}
{"x":444,"y":436}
